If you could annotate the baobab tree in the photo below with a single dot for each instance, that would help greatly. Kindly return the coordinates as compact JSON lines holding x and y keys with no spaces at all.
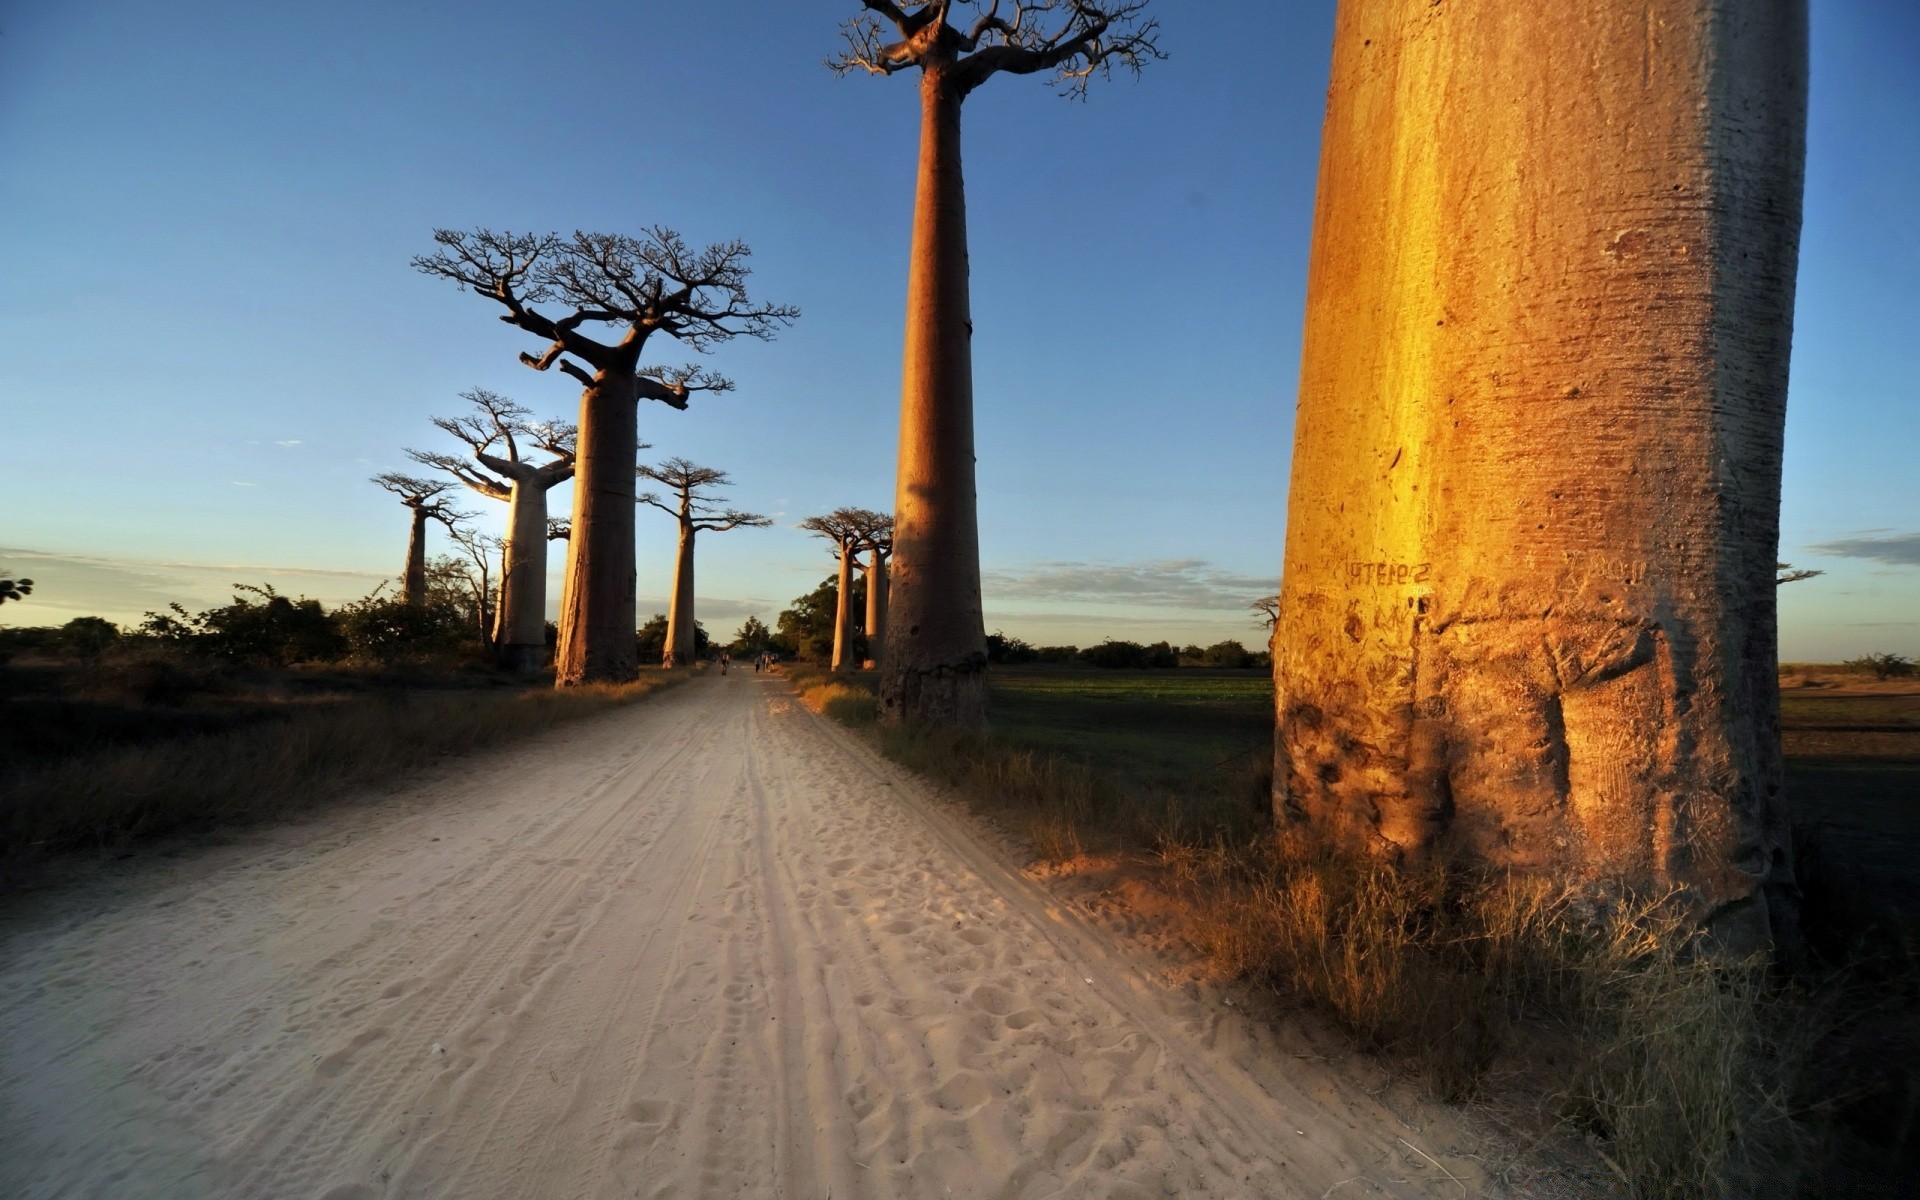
{"x":692,"y":506}
{"x":426,"y":500}
{"x":935,"y":660}
{"x":498,"y":433}
{"x":637,"y":286}
{"x":1528,"y":604}
{"x":849,"y":530}
{"x":878,"y":544}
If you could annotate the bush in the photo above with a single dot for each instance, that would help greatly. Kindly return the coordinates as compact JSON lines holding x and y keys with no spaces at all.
{"x":393,"y":632}
{"x":88,"y":637}
{"x":652,"y":639}
{"x":1118,"y":655}
{"x":271,"y":630}
{"x":1009,"y":650}
{"x":1883,"y":666}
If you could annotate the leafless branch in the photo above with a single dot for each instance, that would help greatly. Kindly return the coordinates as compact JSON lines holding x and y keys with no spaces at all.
{"x":851,"y":529}
{"x":654,"y":283}
{"x":1076,"y":40}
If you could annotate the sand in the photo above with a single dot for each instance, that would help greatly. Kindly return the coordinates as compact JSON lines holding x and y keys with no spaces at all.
{"x":708,"y":946}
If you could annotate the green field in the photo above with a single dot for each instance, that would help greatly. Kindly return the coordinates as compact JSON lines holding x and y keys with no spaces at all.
{"x":1853,"y":758}
{"x":1152,"y":729}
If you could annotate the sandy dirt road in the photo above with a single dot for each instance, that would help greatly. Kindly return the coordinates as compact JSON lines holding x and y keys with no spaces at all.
{"x":703,"y":947}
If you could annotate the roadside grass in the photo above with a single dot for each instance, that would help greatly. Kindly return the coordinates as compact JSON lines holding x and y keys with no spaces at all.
{"x":271,"y":764}
{"x":1697,"y":1077}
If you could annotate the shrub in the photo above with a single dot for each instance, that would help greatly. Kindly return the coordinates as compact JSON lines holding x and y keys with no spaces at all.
{"x":393,"y":632}
{"x":1009,"y":650}
{"x":1883,"y":666}
{"x":261,"y":627}
{"x":88,"y":637}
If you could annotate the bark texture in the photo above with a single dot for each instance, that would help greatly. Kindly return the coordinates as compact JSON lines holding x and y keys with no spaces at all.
{"x":597,"y":641}
{"x":934,"y":665}
{"x":680,"y":649}
{"x":1528,"y":606}
{"x":413,"y":580}
{"x":521,"y":629}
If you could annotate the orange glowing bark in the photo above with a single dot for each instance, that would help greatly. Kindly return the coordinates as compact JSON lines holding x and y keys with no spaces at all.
{"x":1528,"y":605}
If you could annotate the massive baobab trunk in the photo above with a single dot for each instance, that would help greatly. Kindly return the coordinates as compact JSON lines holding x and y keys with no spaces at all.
{"x":876,"y":605}
{"x":413,"y":580}
{"x":680,"y":619}
{"x":597,"y":629}
{"x":934,"y":664}
{"x":843,"y":610}
{"x":521,"y":629}
{"x":1528,"y":606}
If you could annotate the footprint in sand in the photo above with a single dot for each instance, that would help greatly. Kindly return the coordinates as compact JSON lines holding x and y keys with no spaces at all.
{"x":649,"y":1112}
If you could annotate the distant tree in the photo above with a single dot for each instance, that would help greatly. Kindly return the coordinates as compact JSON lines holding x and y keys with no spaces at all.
{"x":1059,"y":655}
{"x":1120,"y":655}
{"x":426,"y":500}
{"x":754,"y":637}
{"x":806,"y":627}
{"x":1268,"y":608}
{"x":1785,"y":573}
{"x":650,"y":640}
{"x":480,"y":550}
{"x":691,"y":503}
{"x":638,"y":286}
{"x":88,"y":637}
{"x":848,"y":530}
{"x":934,"y":665}
{"x":1227,"y":654}
{"x":877,"y":541}
{"x":15,"y":589}
{"x":514,"y":460}
{"x":1002,"y":649}
{"x":1883,"y":666}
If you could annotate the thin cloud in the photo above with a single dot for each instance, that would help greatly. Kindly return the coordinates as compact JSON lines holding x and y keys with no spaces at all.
{"x":243,"y":483}
{"x":1183,"y":583}
{"x":1897,"y":549}
{"x":288,"y":442}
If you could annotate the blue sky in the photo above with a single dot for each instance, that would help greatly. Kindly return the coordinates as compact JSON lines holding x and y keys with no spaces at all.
{"x":213,"y":336}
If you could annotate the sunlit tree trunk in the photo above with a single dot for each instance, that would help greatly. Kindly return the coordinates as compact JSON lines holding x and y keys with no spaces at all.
{"x":1528,"y":604}
{"x":413,"y":581}
{"x":934,"y":666}
{"x":876,"y":606}
{"x":597,"y":643}
{"x":680,"y":649}
{"x":843,"y":610}
{"x":521,"y":623}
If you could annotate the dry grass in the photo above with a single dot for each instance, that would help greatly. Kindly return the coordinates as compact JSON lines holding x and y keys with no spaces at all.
{"x":1684,"y":1066}
{"x":109,"y":800}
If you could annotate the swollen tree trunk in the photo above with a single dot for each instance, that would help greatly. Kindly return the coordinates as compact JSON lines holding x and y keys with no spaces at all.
{"x":521,"y":622}
{"x":413,"y":581}
{"x":597,"y":643}
{"x":1528,"y":606}
{"x":680,"y":648}
{"x":934,"y":666}
{"x":876,"y":607}
{"x":843,"y":609}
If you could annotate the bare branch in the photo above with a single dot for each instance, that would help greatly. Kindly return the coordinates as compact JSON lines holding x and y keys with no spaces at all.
{"x":559,"y":529}
{"x":694,"y":507}
{"x":1074,"y":39}
{"x":852,"y":529}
